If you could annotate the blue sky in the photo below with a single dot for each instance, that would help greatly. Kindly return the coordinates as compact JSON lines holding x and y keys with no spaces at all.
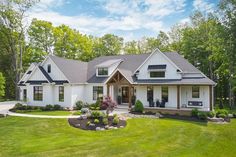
{"x":131,"y":19}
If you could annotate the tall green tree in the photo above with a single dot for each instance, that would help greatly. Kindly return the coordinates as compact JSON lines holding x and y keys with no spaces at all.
{"x":12,"y":31}
{"x":41,"y":36}
{"x":2,"y":86}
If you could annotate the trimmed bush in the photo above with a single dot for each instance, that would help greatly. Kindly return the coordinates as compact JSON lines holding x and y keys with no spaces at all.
{"x":96,"y":114}
{"x":57,"y":107}
{"x":211,"y":114}
{"x":96,"y":121}
{"x":79,"y":105}
{"x":138,"y":106}
{"x":222,"y":115}
{"x":84,"y":110}
{"x":202,"y":115}
{"x":116,"y":120}
{"x":222,"y":111}
{"x":194,"y":112}
{"x":48,"y":107}
{"x":105,"y":121}
{"x":234,"y":114}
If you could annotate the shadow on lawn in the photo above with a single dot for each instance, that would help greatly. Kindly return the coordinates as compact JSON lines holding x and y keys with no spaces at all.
{"x":187,"y":119}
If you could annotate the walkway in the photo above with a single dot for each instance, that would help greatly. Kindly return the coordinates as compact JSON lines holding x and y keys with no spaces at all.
{"x":5,"y":106}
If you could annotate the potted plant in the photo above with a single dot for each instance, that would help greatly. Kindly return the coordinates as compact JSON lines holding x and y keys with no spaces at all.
{"x":119,"y":99}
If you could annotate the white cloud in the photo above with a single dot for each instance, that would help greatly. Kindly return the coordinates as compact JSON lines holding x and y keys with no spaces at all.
{"x":122,"y":16}
{"x":203,"y":5}
{"x":185,"y":20}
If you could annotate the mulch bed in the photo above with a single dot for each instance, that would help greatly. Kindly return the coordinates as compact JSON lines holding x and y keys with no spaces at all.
{"x":82,"y":123}
{"x":188,"y":118}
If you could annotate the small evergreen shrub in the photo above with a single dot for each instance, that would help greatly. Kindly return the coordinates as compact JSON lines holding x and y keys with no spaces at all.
{"x":96,"y":114}
{"x":194,"y":112}
{"x":88,"y":123}
{"x":96,"y":121}
{"x":115,"y":120}
{"x":202,"y":115}
{"x":79,"y":105}
{"x":211,"y":114}
{"x":138,"y":106}
{"x":84,"y":110}
{"x":105,"y":121}
{"x":222,"y":115}
{"x":57,"y":107}
{"x":221,"y":111}
{"x":234,"y":114}
{"x":48,"y":107}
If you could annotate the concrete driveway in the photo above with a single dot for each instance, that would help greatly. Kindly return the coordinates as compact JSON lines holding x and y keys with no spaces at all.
{"x":5,"y":106}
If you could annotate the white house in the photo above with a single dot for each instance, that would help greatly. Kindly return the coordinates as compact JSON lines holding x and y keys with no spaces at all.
{"x":158,"y":79}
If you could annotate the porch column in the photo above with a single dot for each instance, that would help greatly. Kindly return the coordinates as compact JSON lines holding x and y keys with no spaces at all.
{"x":130,"y":105}
{"x":108,"y":89}
{"x":178,"y":97}
{"x":210,"y":98}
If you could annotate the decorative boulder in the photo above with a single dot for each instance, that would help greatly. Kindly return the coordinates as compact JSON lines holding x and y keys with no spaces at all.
{"x":98,"y":128}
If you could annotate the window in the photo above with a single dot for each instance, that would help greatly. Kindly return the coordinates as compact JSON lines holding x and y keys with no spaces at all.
{"x":38,"y":93}
{"x":24,"y":94}
{"x":195,"y":92}
{"x":164,"y":93}
{"x":102,"y":71}
{"x":61,"y":93}
{"x":97,"y":92}
{"x":149,"y":93}
{"x":49,"y":68}
{"x":155,"y":74}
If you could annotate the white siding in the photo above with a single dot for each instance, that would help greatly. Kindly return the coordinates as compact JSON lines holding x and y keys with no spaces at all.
{"x":156,"y":59}
{"x":186,"y":95}
{"x":141,"y":94}
{"x":55,"y":74}
{"x":89,"y":92}
{"x":37,"y":75}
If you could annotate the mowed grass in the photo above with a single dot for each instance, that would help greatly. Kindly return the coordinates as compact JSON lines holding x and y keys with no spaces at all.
{"x":50,"y":113}
{"x":142,"y":137}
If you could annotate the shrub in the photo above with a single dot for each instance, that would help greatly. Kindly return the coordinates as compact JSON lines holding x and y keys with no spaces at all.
{"x":222,"y":115}
{"x":57,"y":107}
{"x":79,"y":105}
{"x":105,"y":121}
{"x":115,"y":120}
{"x":96,"y":121}
{"x":211,"y":114}
{"x":19,"y":106}
{"x":95,"y":114}
{"x":97,"y":108}
{"x":138,"y":106}
{"x":222,"y":111}
{"x":108,"y":104}
{"x":48,"y":107}
{"x":234,"y":114}
{"x":84,"y":110}
{"x":202,"y":115}
{"x":95,"y":105}
{"x":88,"y":123}
{"x":194,"y":112}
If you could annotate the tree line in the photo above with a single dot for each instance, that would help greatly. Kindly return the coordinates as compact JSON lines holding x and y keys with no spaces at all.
{"x":208,"y":41}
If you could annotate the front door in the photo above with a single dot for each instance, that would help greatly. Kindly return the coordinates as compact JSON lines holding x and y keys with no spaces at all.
{"x":125,"y":95}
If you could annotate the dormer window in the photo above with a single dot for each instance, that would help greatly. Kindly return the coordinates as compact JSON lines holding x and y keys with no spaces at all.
{"x":157,"y":71}
{"x":49,"y":68}
{"x":102,"y":71}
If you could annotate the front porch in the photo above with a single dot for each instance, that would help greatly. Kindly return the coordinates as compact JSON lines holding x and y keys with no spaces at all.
{"x":158,"y":96}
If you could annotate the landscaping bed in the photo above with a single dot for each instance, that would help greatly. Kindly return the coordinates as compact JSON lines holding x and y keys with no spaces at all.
{"x":90,"y":124}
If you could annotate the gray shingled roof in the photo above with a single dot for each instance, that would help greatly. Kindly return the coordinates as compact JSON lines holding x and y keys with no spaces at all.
{"x":75,"y":71}
{"x":129,"y":64}
{"x":82,"y":72}
{"x":181,"y":62}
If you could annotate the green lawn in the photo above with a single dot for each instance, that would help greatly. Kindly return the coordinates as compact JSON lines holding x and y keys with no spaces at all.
{"x":142,"y":137}
{"x":50,"y":113}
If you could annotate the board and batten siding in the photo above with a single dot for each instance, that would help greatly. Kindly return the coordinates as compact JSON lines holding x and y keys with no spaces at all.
{"x":158,"y":59}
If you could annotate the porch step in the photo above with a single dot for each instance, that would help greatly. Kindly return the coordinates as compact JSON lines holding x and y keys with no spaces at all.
{"x":122,"y":107}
